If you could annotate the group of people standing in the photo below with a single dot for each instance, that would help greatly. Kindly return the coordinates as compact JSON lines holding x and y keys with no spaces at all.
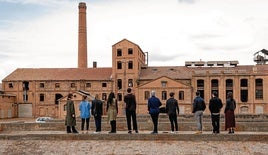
{"x":215,"y":106}
{"x":85,"y":107}
{"x":154,"y":104}
{"x":96,"y":110}
{"x":172,"y":109}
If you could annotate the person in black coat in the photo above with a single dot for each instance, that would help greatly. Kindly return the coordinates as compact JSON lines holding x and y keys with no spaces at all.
{"x":172,"y":108}
{"x":215,"y":105}
{"x":130,"y":106}
{"x":96,"y":111}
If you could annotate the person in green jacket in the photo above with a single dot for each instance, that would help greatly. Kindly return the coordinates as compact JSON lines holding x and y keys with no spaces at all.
{"x":70,"y":120}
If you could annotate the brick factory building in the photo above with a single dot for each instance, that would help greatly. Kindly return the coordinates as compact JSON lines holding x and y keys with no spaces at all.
{"x":32,"y":92}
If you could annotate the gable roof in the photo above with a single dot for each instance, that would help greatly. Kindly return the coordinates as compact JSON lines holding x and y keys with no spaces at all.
{"x":129,"y":42}
{"x":32,"y":74}
{"x":157,"y":82}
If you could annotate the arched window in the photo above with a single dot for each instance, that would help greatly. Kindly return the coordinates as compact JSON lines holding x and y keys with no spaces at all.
{"x":258,"y":89}
{"x":200,"y":87}
{"x":244,"y":90}
{"x":228,"y":86}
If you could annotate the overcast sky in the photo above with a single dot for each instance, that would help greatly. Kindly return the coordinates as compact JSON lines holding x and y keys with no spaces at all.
{"x":43,"y":33}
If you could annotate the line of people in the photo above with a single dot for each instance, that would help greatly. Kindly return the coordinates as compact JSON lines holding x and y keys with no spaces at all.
{"x":97,"y":112}
{"x":154,"y":104}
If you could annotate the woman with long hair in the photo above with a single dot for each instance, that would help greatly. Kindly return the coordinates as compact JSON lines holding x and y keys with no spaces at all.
{"x":229,"y":113}
{"x":112,"y":111}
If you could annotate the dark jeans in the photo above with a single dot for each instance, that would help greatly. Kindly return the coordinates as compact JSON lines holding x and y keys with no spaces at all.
{"x":215,"y":123}
{"x":131,"y":115}
{"x":83,"y":123}
{"x":97,"y":123}
{"x":155,"y":121}
{"x":173,"y":120}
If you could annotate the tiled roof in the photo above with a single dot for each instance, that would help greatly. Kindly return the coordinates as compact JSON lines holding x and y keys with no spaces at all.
{"x":174,"y":72}
{"x":183,"y":72}
{"x":29,"y":74}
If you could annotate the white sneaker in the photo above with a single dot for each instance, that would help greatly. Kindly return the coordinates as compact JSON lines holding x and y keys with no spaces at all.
{"x":95,"y":132}
{"x":172,"y":132}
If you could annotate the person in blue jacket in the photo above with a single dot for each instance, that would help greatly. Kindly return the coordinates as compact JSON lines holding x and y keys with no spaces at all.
{"x":153,"y":109}
{"x":84,"y":108}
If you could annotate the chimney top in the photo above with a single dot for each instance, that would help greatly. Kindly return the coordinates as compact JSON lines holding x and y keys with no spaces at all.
{"x":82,"y":5}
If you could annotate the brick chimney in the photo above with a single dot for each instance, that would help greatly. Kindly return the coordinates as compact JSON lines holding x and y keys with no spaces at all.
{"x":82,"y":36}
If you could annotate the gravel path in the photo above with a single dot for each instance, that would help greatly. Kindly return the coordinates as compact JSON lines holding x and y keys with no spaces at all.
{"x":80,"y":147}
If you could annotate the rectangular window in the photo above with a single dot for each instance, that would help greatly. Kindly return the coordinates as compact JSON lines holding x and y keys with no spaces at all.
{"x":57,"y":85}
{"x":146,"y":95}
{"x":164,"y":95}
{"x":259,"y":94}
{"x":244,"y":95}
{"x":10,"y":85}
{"x":25,"y":97}
{"x":130,"y":51}
{"x":259,"y":89}
{"x":119,"y":83}
{"x":130,"y":82}
{"x":200,"y":87}
{"x":119,"y":52}
{"x":181,"y":95}
{"x":119,"y":96}
{"x":42,"y":97}
{"x":72,"y":85}
{"x":164,"y":84}
{"x":104,"y":96}
{"x":25,"y":85}
{"x":104,"y":84}
{"x":130,"y":65}
{"x":244,"y":90}
{"x":119,"y":65}
{"x":41,"y":85}
{"x":88,"y":85}
{"x":243,"y":83}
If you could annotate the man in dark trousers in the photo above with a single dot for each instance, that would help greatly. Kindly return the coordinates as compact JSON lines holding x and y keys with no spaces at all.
{"x":153,"y":109}
{"x":172,"y":108}
{"x":215,"y":105}
{"x":96,"y":111}
{"x":130,"y":105}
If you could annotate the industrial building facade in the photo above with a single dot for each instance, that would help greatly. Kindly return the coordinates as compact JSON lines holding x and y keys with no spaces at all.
{"x":31,"y":92}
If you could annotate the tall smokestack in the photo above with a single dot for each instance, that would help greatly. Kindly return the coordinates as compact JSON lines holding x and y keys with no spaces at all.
{"x":82,"y":36}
